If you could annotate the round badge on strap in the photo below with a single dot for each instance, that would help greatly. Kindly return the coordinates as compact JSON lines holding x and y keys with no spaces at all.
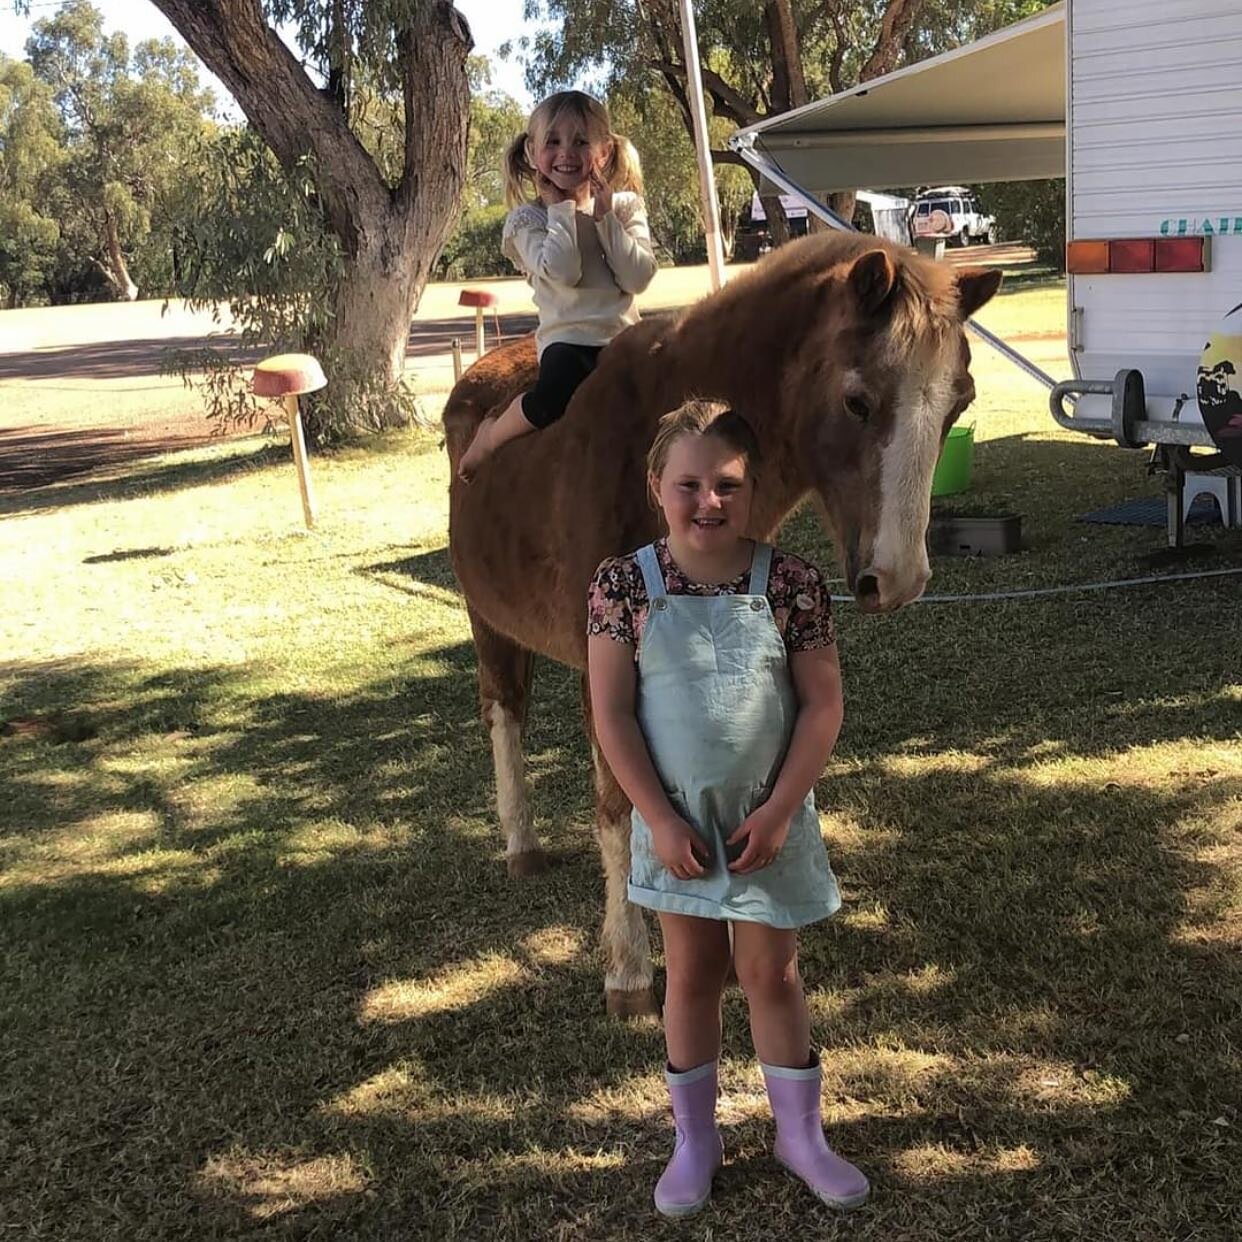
{"x":1220,"y":386}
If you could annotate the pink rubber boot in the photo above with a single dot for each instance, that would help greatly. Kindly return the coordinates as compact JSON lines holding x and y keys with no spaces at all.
{"x":800,"y":1143}
{"x":686,"y":1183}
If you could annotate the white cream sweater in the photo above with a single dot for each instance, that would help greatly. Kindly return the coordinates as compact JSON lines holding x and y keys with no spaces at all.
{"x":584,"y":273}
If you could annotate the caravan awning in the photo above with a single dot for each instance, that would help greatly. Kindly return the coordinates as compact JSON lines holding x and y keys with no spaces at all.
{"x":993,"y":110}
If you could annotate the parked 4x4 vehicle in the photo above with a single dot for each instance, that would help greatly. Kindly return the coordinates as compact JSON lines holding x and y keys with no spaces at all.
{"x":952,"y":213}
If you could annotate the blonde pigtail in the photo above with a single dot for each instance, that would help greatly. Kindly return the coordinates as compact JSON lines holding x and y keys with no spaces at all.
{"x":519,"y":173}
{"x":624,"y":170}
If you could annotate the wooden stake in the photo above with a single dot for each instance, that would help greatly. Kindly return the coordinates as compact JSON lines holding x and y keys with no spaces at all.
{"x":299,"y":459}
{"x":480,"y":335}
{"x":456,"y":360}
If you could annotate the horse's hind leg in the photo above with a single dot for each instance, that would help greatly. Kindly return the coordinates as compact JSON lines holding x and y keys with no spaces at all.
{"x":627,"y":984}
{"x":504,"y":695}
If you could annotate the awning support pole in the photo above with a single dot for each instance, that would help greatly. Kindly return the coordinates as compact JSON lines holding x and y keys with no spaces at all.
{"x":703,"y":147}
{"x":745,"y":147}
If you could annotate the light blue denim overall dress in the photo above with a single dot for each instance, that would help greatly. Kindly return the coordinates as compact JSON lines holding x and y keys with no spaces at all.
{"x":716,"y":705}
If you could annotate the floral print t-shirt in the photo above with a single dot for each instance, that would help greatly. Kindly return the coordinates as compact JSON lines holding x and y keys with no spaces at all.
{"x":617,"y":604}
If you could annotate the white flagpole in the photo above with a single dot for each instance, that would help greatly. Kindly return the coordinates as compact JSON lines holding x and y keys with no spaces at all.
{"x":707,"y":181}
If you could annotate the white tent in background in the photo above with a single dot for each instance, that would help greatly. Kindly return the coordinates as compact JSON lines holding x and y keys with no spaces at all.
{"x":887,"y":213}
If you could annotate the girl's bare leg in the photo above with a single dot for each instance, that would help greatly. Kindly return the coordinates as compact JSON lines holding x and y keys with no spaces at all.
{"x":767,"y":968}
{"x":766,"y":960}
{"x":696,"y":955}
{"x":492,"y":433}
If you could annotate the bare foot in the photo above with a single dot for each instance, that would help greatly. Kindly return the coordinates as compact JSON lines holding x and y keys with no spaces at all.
{"x":479,"y":451}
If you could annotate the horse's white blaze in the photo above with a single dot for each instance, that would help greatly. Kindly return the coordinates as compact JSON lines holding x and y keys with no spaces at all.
{"x":899,"y":554}
{"x":511,"y":783}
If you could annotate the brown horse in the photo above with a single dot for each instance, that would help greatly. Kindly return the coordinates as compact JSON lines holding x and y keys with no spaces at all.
{"x":849,"y":358}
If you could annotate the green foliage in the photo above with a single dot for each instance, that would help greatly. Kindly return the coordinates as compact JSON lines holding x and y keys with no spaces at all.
{"x":127,"y":122}
{"x":495,"y":120}
{"x":632,"y":49}
{"x":474,"y":247}
{"x":31,"y":160}
{"x":1033,"y":212}
{"x":643,"y":112}
{"x":252,"y":238}
{"x":611,"y":41}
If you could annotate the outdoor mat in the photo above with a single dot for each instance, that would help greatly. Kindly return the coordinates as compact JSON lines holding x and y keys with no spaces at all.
{"x":1153,"y":511}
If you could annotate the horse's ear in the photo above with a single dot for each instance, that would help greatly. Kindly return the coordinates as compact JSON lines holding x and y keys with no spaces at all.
{"x":976,"y":287}
{"x":873,"y":277}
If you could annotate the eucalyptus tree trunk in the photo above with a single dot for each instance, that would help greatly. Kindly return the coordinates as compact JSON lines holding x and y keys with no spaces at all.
{"x":389,"y":235}
{"x":115,"y":269}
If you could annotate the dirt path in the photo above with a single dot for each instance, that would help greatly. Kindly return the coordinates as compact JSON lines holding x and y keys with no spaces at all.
{"x":81,"y":389}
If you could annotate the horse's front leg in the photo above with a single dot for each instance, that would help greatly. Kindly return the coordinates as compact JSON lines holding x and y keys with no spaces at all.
{"x":627,"y":984}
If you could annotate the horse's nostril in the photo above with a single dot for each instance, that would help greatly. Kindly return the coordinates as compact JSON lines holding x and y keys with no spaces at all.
{"x":867,"y":589}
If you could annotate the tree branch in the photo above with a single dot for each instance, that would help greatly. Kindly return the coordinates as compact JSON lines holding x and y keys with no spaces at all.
{"x":295,"y":118}
{"x":728,"y":102}
{"x":788,"y":82}
{"x":430,"y":68}
{"x":841,"y":41}
{"x":899,"y":16}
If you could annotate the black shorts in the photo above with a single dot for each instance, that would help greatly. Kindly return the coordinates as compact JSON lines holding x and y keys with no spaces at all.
{"x":562,"y":368}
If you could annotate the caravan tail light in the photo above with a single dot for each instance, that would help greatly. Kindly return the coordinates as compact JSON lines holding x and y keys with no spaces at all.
{"x":1181,"y":254}
{"x":1086,"y":258}
{"x":1131,"y":256}
{"x":1137,"y":254}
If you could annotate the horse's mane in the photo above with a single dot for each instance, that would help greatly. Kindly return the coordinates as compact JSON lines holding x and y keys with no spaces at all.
{"x":924,"y":303}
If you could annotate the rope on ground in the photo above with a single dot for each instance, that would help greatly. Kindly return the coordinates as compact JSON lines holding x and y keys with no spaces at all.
{"x":1035,"y":592}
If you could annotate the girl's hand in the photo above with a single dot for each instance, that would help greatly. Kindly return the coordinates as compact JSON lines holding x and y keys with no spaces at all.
{"x":603,"y":195}
{"x":764,"y":834}
{"x":679,"y":848}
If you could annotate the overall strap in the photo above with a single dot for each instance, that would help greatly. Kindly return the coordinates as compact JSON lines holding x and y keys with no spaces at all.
{"x":759,"y":567}
{"x":653,"y":575}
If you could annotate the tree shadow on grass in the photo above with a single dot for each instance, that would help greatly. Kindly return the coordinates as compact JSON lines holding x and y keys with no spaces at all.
{"x":263,"y":968}
{"x":129,"y":474}
{"x":433,"y":568}
{"x":98,"y":360}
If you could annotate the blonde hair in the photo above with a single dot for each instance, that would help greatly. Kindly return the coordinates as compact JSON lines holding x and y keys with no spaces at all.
{"x":623,"y":171}
{"x":697,"y":417}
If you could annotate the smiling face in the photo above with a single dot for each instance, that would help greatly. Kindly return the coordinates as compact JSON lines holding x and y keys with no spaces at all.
{"x":705,"y":492}
{"x":565,"y":154}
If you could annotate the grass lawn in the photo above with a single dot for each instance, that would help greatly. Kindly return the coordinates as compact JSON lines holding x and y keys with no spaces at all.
{"x":263,"y":974}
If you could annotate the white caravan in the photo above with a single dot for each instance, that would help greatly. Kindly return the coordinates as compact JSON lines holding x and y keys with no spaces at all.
{"x":1138,"y":103}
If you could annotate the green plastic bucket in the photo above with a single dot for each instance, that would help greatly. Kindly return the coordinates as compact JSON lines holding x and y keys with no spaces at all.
{"x":953,"y":469}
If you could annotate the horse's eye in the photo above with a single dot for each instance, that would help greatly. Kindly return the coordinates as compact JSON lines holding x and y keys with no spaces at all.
{"x":857,"y":407}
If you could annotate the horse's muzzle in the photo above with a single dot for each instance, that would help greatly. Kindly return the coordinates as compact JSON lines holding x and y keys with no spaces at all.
{"x":878,"y":591}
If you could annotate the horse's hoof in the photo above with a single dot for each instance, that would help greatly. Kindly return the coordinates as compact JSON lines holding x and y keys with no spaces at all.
{"x":532,"y":862}
{"x":640,"y":1003}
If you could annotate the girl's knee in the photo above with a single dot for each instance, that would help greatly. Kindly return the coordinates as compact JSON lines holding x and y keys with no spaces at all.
{"x":767,"y":973}
{"x":696,"y":958}
{"x":682,"y":993}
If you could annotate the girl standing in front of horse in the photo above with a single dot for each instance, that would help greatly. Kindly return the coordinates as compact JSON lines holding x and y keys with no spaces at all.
{"x":578,"y":230}
{"x":716,"y":700}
